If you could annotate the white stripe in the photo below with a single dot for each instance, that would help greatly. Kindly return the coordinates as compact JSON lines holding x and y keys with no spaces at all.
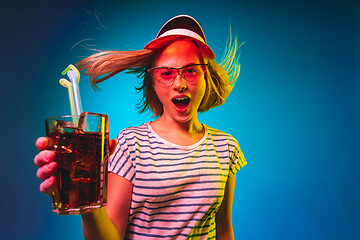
{"x":184,"y":32}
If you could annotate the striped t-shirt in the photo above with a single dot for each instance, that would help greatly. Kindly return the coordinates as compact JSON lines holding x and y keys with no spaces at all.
{"x":177,"y":190}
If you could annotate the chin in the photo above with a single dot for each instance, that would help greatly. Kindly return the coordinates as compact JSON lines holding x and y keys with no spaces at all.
{"x":185,"y":117}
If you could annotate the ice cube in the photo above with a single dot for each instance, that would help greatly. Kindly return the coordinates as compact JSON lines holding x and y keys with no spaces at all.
{"x":61,"y":126}
{"x":82,"y":121}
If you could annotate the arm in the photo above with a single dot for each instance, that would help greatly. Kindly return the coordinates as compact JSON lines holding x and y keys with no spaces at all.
{"x":224,"y":229}
{"x":110,"y":222}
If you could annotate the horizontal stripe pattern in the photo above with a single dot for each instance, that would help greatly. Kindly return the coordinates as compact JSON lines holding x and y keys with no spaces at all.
{"x":177,"y":190}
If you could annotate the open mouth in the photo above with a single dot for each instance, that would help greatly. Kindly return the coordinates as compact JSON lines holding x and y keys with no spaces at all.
{"x":181,"y":102}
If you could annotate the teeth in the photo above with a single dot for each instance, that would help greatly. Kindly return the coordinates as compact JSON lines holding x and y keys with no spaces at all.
{"x":181,"y":98}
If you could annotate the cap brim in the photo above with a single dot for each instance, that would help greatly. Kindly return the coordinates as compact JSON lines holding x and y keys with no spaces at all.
{"x":161,"y":42}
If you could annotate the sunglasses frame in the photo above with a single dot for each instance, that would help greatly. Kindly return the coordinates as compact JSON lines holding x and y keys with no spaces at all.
{"x":178,"y":72}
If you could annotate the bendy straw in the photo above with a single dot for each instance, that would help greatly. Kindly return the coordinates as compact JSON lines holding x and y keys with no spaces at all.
{"x":68,"y":85}
{"x":74,"y":76}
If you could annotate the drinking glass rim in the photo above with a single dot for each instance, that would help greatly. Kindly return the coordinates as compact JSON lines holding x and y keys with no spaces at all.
{"x":71,"y":116}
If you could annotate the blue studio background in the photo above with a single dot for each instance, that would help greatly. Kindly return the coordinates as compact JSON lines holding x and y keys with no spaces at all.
{"x":294,"y":110}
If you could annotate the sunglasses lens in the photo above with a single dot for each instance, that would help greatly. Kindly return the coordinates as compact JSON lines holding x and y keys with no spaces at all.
{"x":192,"y":73}
{"x":167,"y":75}
{"x":164,"y":75}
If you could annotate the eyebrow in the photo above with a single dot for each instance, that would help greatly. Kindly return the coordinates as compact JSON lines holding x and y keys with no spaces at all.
{"x":187,"y":65}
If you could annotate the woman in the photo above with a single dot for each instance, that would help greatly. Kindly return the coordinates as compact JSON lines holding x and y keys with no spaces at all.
{"x":173,"y":177}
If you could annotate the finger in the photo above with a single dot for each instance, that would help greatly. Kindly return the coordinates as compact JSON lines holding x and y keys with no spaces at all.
{"x":46,"y":171}
{"x":44,"y":157}
{"x":48,"y":185}
{"x":43,"y":143}
{"x":112,"y":146}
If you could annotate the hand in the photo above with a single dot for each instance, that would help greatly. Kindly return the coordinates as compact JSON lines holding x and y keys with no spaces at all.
{"x":47,"y":166}
{"x":45,"y":160}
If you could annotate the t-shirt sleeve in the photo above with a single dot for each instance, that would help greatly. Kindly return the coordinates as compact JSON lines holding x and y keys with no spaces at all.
{"x":121,"y":162}
{"x":237,"y":159}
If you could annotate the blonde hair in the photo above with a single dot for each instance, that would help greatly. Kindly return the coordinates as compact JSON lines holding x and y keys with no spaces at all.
{"x":220,"y":78}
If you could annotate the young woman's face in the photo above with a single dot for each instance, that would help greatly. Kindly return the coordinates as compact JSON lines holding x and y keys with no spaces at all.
{"x":181,"y":99}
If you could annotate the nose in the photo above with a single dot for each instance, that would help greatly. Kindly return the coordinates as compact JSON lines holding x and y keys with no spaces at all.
{"x":179,"y":83}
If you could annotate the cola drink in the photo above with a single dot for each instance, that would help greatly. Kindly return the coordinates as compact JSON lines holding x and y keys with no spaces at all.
{"x":81,"y":177}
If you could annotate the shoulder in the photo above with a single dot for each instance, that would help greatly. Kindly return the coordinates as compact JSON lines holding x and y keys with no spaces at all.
{"x":220,"y":135}
{"x":131,"y":132}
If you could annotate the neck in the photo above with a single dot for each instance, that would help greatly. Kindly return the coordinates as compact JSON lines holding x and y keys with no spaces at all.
{"x":191,"y":126}
{"x":181,"y":133}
